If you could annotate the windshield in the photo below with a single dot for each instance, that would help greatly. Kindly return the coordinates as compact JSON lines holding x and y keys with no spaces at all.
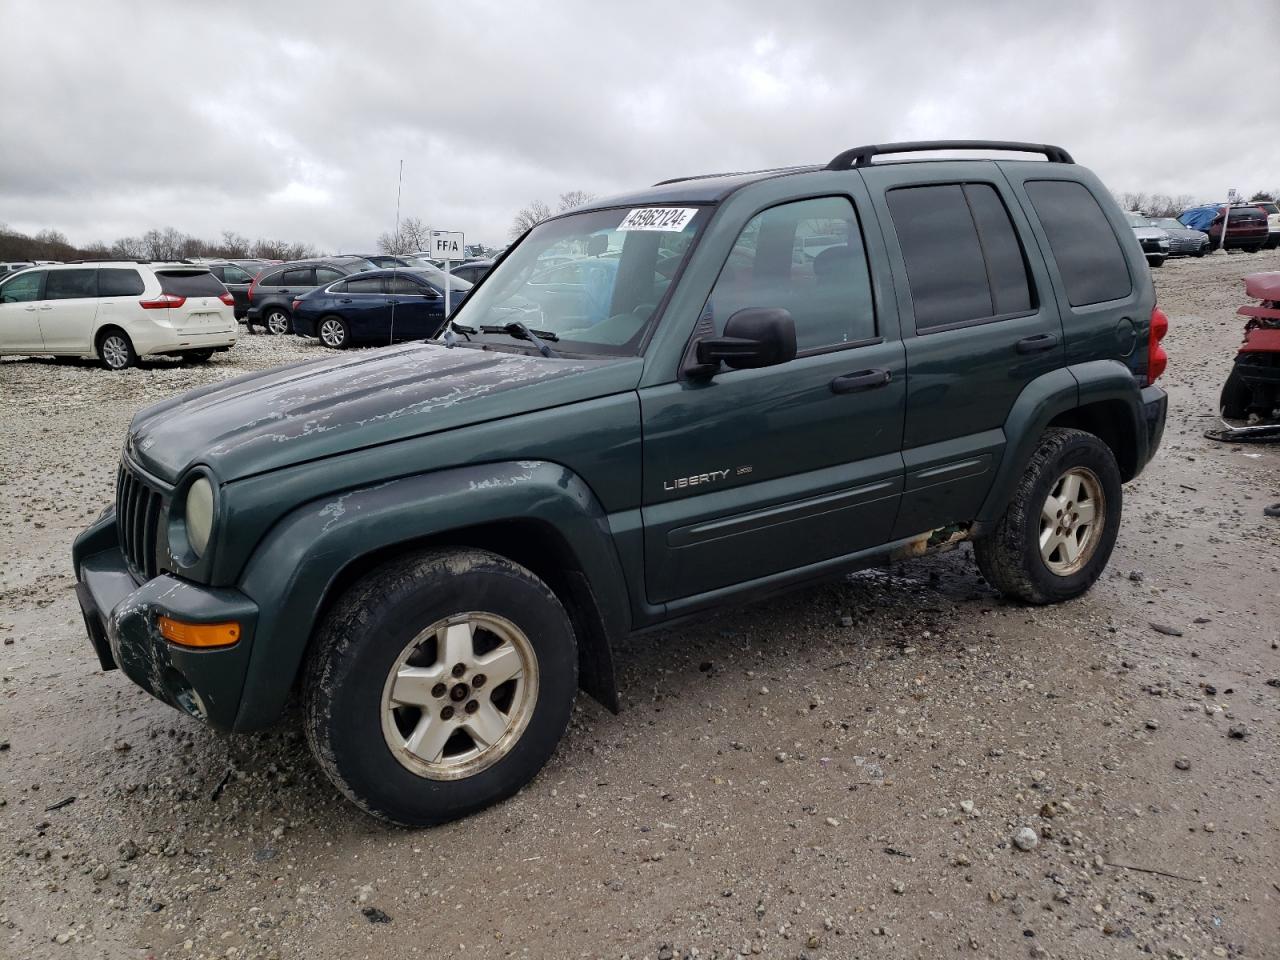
{"x":1168,"y":223}
{"x":593,"y":280}
{"x":1137,"y":220}
{"x":436,"y":275}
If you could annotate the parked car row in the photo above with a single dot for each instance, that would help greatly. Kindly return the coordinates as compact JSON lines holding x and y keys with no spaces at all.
{"x":116,"y":311}
{"x":1196,"y":231}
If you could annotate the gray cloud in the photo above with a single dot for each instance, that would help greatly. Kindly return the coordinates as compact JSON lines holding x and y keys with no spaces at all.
{"x":290,"y":119}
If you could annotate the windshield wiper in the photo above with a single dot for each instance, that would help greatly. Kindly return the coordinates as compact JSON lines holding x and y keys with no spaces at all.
{"x":450,"y":339}
{"x":518,"y":329}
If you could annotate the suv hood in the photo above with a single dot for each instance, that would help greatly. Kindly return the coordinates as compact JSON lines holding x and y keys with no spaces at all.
{"x":265,"y":421}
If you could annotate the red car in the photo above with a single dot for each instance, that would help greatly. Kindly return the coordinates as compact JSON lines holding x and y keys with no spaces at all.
{"x":1246,"y":227}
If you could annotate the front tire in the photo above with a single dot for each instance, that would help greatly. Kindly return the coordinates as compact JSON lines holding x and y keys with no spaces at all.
{"x":115,"y":350}
{"x":1060,"y":527}
{"x":278,"y":321}
{"x":1233,"y":403}
{"x":440,"y":683}
{"x":334,"y":334}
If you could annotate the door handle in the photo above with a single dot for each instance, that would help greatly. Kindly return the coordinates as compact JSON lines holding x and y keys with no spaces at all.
{"x":862,"y":380}
{"x":31,"y":308}
{"x":46,"y":306}
{"x":1037,"y":344}
{"x":345,"y":300}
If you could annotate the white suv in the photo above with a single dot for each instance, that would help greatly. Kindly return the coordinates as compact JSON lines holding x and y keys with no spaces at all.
{"x":116,"y":311}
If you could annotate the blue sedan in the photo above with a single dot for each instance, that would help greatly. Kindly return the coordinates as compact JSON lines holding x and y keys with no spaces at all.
{"x":376,"y":307}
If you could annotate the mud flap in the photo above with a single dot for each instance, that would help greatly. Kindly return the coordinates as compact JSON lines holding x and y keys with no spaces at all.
{"x":595,"y":655}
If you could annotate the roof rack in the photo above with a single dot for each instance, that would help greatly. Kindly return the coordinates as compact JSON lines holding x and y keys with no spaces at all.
{"x":116,"y":260}
{"x":862,"y":156}
{"x":733,"y":173}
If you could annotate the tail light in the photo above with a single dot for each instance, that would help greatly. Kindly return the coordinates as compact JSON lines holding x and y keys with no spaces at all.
{"x":295,"y":305}
{"x":227,"y":298}
{"x":252,"y":286}
{"x":164,"y":301}
{"x":1157,"y":359}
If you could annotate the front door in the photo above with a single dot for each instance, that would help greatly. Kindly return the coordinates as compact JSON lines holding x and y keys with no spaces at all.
{"x":19,"y":307}
{"x":755,"y":472}
{"x":419,"y":312}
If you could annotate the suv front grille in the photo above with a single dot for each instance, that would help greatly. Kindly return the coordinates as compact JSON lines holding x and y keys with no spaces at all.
{"x":138,"y":507}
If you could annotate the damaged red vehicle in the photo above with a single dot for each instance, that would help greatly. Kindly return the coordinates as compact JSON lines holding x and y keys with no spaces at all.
{"x":1251,"y":395}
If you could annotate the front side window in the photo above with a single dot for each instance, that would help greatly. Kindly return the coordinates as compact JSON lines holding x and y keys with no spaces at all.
{"x":805,"y":257}
{"x":1085,"y":247}
{"x":24,"y":288}
{"x":626,"y":259}
{"x":404,"y":285}
{"x":71,"y":284}
{"x":964,"y":262}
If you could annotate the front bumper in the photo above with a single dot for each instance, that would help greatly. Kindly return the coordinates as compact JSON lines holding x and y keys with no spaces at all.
{"x":1155,"y":408}
{"x":120,"y":615}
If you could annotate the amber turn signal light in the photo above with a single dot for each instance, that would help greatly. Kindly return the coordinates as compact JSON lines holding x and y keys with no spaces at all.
{"x":204,"y":636}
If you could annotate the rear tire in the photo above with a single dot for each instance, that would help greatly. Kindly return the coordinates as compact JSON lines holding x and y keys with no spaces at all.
{"x":115,"y":349}
{"x":1060,"y":527}
{"x":398,"y":710}
{"x":278,"y":321}
{"x":1233,"y":403}
{"x":334,"y":333}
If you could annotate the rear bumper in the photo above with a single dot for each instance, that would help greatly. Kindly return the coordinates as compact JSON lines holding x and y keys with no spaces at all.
{"x":1155,"y":408}
{"x":120,"y":616}
{"x":304,"y":326}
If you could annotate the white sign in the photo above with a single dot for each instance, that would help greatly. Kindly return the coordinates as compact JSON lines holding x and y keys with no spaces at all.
{"x":1233,"y":195}
{"x":658,"y":218}
{"x":447,"y":246}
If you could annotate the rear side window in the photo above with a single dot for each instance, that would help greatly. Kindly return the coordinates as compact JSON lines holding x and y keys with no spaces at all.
{"x":233,"y":274}
{"x":71,"y":284}
{"x":964,"y":261}
{"x":364,"y":285}
{"x":405,"y":285}
{"x":1089,"y":256}
{"x":188,"y":283}
{"x":299,"y":278}
{"x":271,"y":280}
{"x":327,"y":274}
{"x":114,"y":282}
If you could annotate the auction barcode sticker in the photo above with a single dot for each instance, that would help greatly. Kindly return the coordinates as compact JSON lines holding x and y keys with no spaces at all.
{"x":658,"y":218}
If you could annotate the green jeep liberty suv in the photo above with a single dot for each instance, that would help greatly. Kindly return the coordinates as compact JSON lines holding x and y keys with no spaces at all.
{"x":676,"y":399}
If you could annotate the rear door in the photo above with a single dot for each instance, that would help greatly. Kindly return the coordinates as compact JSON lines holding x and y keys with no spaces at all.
{"x":366,"y":308}
{"x":19,"y":304}
{"x":979,"y":324}
{"x":119,"y":290}
{"x":69,"y":309}
{"x":294,"y":282}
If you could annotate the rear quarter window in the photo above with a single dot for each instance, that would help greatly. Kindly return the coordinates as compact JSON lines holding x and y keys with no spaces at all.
{"x":1089,"y":256}
{"x":190,"y":283}
{"x":116,"y":282}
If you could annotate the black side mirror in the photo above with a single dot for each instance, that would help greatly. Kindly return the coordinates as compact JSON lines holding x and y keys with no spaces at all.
{"x":754,"y":337}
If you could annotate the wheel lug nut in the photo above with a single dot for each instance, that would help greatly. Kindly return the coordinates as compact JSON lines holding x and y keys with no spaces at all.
{"x":472,"y":706}
{"x":439,"y":690}
{"x":459,"y":669}
{"x":446,"y":713}
{"x":478,"y":680}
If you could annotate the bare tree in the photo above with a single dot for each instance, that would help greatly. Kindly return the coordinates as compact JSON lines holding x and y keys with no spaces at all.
{"x":1263,"y":195}
{"x":128,"y":248}
{"x":575,"y":198}
{"x":233,"y":245}
{"x":412,"y":236}
{"x":529,"y":216}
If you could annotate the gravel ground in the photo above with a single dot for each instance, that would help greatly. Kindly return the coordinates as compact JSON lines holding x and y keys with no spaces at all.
{"x":849,"y":771}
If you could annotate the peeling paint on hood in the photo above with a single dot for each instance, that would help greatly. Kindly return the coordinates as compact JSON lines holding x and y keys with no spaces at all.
{"x":262,"y":422}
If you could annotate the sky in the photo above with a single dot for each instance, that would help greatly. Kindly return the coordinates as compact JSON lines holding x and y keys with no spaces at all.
{"x":289,"y":120}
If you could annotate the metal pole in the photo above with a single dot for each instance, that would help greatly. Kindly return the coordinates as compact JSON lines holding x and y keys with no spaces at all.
{"x":446,"y":287}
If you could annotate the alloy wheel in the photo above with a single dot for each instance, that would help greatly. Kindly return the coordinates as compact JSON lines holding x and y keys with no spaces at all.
{"x":459,"y":696}
{"x":115,"y":352}
{"x":277,"y":322}
{"x":332,"y":333}
{"x":1071,"y":521}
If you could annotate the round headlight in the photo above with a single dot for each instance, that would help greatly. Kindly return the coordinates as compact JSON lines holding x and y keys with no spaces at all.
{"x":198,"y":514}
